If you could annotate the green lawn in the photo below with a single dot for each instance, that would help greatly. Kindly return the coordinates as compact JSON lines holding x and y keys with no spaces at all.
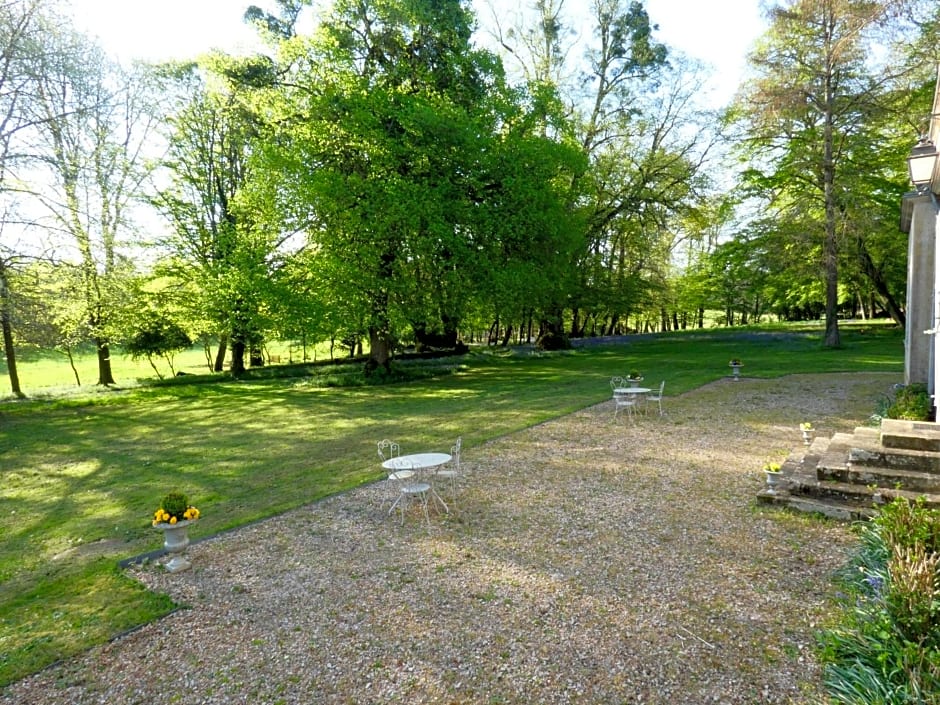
{"x":81,"y":479}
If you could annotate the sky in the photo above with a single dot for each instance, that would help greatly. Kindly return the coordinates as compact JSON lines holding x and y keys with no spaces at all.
{"x":716,"y":32}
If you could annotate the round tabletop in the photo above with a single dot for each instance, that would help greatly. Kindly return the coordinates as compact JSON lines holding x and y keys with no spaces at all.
{"x":632,"y":390}
{"x":416,"y":461}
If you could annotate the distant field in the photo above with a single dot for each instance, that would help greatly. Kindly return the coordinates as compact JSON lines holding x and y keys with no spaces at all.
{"x":48,"y":371}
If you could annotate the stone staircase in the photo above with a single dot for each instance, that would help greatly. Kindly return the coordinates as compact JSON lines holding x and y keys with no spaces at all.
{"x":848,"y":475}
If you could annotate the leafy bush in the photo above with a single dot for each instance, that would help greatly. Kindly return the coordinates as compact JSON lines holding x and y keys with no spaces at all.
{"x":175,"y":504}
{"x":886,"y":649}
{"x":911,"y":403}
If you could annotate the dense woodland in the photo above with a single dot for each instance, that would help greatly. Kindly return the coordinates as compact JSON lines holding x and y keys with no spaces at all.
{"x":403,"y":172}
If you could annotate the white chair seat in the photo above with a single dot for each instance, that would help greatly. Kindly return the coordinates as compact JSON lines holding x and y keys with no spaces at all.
{"x":625,"y":402}
{"x":415,"y":491}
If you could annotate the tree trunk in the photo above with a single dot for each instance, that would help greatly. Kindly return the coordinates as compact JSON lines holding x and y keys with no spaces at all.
{"x":11,"y":355}
{"x":575,"y":322}
{"x":5,"y":305}
{"x":506,"y":336}
{"x":613,"y":324}
{"x":71,"y":357}
{"x":220,"y":355}
{"x":875,"y":276}
{"x":238,"y":355}
{"x":105,"y":377}
{"x":831,"y":245}
{"x":380,"y":350}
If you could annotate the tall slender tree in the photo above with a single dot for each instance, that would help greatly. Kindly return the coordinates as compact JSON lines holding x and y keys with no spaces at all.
{"x":92,"y":123}
{"x":214,"y":248}
{"x":21,"y":45}
{"x":815,"y":87}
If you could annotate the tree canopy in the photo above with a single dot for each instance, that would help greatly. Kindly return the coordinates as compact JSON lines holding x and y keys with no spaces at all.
{"x":377,"y":175}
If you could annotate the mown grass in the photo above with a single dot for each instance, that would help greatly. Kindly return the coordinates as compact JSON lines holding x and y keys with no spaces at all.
{"x":81,"y":476}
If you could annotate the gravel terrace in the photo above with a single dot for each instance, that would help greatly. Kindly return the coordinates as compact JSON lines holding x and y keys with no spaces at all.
{"x":587,"y":560}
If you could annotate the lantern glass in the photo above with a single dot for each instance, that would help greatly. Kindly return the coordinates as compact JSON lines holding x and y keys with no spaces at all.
{"x":922,"y":161}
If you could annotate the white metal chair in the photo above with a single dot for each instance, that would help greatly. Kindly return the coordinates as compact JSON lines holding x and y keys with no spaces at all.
{"x":450,"y":471}
{"x":387,"y":450}
{"x":658,"y":396}
{"x":622,"y":400}
{"x":412,"y":490}
{"x":625,"y":402}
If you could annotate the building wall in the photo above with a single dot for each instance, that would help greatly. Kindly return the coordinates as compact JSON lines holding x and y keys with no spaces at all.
{"x":922,"y":245}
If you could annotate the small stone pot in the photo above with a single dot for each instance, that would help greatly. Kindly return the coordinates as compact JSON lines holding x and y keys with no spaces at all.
{"x":774,"y":480}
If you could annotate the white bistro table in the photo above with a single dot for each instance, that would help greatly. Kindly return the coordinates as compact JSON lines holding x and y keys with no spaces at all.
{"x":635,"y":392}
{"x":632,"y":390}
{"x":419,"y":463}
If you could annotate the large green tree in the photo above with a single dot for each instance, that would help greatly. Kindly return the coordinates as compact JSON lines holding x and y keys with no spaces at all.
{"x":808,"y":114}
{"x":398,"y":150}
{"x":634,"y":117}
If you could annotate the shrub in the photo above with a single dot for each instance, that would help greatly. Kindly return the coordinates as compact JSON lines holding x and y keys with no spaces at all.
{"x":886,"y":648}
{"x":911,"y":403}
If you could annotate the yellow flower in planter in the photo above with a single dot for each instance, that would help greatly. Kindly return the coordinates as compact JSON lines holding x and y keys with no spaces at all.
{"x":175,"y":507}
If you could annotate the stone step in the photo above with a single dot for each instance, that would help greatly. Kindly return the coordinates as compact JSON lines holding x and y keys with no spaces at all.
{"x":835,"y":510}
{"x":846,"y":451}
{"x":900,"y":458}
{"x":802,"y":485}
{"x":859,"y":495}
{"x":910,"y":435}
{"x":893,"y":477}
{"x":835,"y":456}
{"x":864,"y":447}
{"x":868,"y":432}
{"x":848,"y":475}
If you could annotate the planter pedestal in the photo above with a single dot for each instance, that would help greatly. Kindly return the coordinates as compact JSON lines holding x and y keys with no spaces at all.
{"x":175,"y":541}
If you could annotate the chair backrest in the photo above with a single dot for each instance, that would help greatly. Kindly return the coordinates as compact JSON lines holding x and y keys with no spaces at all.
{"x":617,"y":382}
{"x":662,"y":386}
{"x":388,"y":449}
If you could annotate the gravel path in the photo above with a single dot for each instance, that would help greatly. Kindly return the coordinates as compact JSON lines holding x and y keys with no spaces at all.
{"x":587,"y":561}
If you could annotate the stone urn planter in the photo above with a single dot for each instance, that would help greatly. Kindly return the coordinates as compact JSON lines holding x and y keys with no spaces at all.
{"x":808,"y":432}
{"x":736,"y":366}
{"x":173,"y":518}
{"x":774,"y":477}
{"x":175,"y":541}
